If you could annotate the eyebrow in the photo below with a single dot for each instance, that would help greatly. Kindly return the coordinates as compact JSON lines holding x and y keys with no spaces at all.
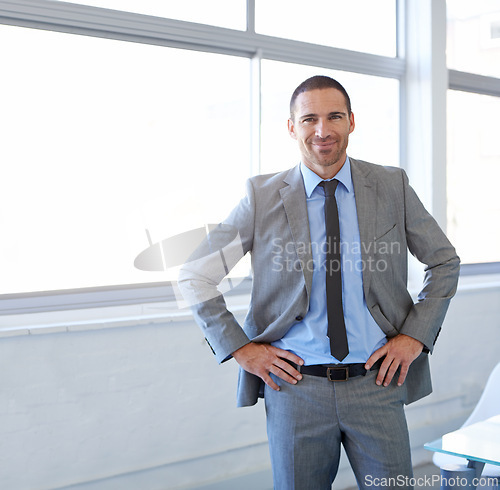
{"x":334,"y":113}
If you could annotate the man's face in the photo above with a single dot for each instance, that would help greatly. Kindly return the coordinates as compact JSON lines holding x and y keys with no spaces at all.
{"x":321,"y":126}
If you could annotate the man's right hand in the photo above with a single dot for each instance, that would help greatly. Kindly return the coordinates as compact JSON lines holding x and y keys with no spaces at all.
{"x":263,"y":359}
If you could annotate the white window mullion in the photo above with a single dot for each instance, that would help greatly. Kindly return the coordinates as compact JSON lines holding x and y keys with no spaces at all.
{"x":426,"y":83}
{"x":471,"y":82}
{"x":256,"y":112}
{"x":251,"y":16}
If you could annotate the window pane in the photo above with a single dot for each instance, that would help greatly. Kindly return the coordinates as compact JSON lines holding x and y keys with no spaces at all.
{"x":473,"y":36}
{"x":473,"y":173}
{"x":221,"y":13}
{"x":375,"y":137}
{"x":359,"y":25}
{"x":103,"y":139}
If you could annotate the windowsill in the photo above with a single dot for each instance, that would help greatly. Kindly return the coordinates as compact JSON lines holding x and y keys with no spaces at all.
{"x":478,"y":282}
{"x":103,"y":317}
{"x":155,"y":313}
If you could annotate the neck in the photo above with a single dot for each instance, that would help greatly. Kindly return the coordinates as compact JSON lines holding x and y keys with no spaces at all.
{"x":326,"y":172}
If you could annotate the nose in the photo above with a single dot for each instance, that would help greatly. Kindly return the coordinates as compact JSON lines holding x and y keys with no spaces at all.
{"x":322,"y":130}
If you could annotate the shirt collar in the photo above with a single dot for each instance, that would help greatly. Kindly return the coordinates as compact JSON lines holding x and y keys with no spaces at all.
{"x":311,"y":179}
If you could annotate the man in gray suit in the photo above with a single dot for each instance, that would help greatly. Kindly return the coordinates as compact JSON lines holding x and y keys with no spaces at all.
{"x":335,"y":364}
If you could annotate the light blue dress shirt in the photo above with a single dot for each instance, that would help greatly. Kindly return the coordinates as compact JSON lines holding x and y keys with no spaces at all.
{"x":308,"y":338}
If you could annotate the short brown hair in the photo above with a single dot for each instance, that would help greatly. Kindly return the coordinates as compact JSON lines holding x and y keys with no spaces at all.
{"x":319,"y":82}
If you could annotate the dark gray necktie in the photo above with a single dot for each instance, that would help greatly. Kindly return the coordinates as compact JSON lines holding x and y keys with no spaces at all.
{"x":336,"y":326}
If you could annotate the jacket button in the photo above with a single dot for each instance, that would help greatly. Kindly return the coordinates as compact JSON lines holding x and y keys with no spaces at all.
{"x":299,"y":318}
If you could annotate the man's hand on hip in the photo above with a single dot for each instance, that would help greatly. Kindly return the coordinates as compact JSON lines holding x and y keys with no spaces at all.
{"x":399,"y":351}
{"x":263,"y":359}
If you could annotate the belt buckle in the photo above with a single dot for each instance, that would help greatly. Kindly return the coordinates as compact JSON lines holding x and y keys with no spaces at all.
{"x":330,"y":370}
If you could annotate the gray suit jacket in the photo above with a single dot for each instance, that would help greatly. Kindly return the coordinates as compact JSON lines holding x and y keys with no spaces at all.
{"x":273,"y":226}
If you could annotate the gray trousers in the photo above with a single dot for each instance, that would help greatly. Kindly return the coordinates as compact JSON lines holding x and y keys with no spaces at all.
{"x":308,"y":422}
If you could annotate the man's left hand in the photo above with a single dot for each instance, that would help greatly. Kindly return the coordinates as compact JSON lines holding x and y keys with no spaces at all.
{"x":399,"y":351}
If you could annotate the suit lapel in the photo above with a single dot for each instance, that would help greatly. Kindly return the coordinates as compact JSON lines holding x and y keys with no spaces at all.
{"x":365,"y":190}
{"x":294,"y":202}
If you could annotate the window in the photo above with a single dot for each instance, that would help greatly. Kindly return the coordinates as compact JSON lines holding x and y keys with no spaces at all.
{"x":223,"y":13}
{"x":473,"y":162}
{"x":473,"y":173}
{"x":103,"y":140}
{"x":473,"y":39}
{"x":358,"y":25}
{"x":119,"y":122}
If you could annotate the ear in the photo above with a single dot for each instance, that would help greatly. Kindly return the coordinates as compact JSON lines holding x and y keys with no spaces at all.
{"x":291,"y":129}
{"x":351,"y":123}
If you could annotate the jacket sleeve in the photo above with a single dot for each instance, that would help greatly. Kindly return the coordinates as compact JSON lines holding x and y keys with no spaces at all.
{"x":428,"y":243}
{"x":201,"y":275}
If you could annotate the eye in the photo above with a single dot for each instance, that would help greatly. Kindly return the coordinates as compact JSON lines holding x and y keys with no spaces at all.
{"x":308,"y":120}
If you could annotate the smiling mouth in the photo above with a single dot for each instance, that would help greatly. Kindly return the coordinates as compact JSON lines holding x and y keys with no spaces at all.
{"x":324,"y":146}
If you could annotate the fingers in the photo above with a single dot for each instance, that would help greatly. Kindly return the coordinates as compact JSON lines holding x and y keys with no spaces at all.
{"x":269,"y":382}
{"x":284,"y":354}
{"x":379,"y":353}
{"x":387,"y":371}
{"x":400,"y":352}
{"x":263,"y":359}
{"x":281,"y":368}
{"x":402,"y":375}
{"x":285,"y":371}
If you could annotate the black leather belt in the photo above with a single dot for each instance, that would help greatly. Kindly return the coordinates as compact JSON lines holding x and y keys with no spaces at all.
{"x":336,"y":372}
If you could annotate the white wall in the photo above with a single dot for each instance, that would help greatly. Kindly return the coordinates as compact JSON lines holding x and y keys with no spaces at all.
{"x":143,"y":404}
